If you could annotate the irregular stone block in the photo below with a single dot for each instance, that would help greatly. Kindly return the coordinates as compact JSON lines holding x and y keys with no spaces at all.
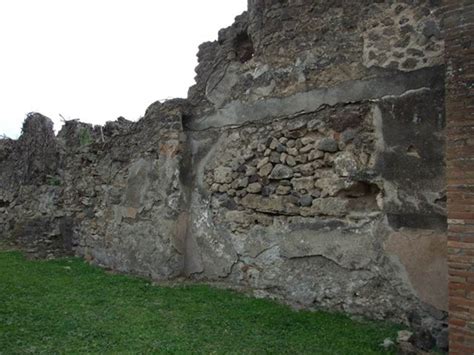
{"x":290,"y":161}
{"x":305,"y":201}
{"x":283,"y":190}
{"x":328,"y":145}
{"x":330,"y":206}
{"x":280,"y":172}
{"x":223,"y":175}
{"x":345,"y":164}
{"x":303,"y":183}
{"x":254,"y":188}
{"x":274,"y":204}
{"x":265,"y":170}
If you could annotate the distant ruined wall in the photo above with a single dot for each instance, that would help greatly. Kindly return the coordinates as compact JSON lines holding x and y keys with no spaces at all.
{"x":307,"y":164}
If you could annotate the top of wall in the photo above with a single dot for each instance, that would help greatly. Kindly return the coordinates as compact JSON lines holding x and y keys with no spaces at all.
{"x":278,"y":48}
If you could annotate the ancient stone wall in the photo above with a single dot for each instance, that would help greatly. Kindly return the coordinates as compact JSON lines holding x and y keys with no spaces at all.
{"x":307,"y":165}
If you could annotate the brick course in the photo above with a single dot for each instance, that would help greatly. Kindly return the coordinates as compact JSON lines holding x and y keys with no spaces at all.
{"x":459,"y":36}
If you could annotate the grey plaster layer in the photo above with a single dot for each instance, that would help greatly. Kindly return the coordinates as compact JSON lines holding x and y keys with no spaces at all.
{"x":238,"y":112}
{"x":351,"y":249}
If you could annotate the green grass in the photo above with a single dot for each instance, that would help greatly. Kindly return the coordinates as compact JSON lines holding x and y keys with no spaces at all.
{"x":67,"y":306}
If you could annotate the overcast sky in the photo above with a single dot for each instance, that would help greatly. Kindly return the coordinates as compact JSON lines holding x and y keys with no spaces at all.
{"x":100,"y":59}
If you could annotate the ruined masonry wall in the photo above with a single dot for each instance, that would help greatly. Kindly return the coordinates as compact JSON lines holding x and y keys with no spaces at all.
{"x":306,"y":165}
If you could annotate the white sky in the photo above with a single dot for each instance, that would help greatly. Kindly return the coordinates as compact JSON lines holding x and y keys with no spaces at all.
{"x":100,"y":59}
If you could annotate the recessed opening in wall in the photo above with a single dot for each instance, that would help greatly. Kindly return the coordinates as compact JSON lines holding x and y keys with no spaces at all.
{"x":243,"y":47}
{"x":362,"y":196}
{"x":186,"y":119}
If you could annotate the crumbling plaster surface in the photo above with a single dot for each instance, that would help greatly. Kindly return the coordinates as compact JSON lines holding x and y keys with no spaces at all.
{"x":310,"y":191}
{"x":404,"y":247}
{"x":305,"y":165}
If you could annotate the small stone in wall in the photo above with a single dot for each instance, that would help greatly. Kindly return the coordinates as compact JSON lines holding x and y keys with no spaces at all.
{"x":305,"y":201}
{"x":248,"y":155}
{"x":410,"y":63}
{"x":349,"y":134}
{"x":241,"y":193}
{"x":328,"y":158}
{"x":290,"y":161}
{"x":280,"y":148}
{"x":374,"y":36}
{"x":345,"y":164}
{"x":303,"y":183}
{"x":253,"y":178}
{"x":399,"y":9}
{"x":305,"y":169}
{"x":431,"y":29}
{"x":331,"y":186}
{"x":235,"y":184}
{"x":298,"y":144}
{"x":293,"y":152}
{"x":315,"y":154}
{"x":295,"y":124}
{"x":251,"y":170}
{"x":307,"y":140}
{"x":283,"y":157}
{"x":331,"y":206}
{"x":224,"y":188}
{"x":283,"y":190}
{"x":301,"y":158}
{"x":415,"y":52}
{"x":253,"y":145}
{"x":254,"y":188}
{"x":275,"y":157}
{"x":389,"y":32}
{"x":280,"y":172}
{"x":243,"y":183}
{"x":241,"y":169}
{"x":265,"y":170}
{"x":403,"y":42}
{"x":267,"y":190}
{"x":406,"y":29}
{"x":328,"y":145}
{"x":387,"y":21}
{"x":291,"y":143}
{"x":273,"y":144}
{"x":263,"y":162}
{"x":223,"y":175}
{"x":306,"y":149}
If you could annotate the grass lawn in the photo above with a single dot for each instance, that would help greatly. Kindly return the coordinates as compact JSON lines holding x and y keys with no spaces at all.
{"x":67,"y":306}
